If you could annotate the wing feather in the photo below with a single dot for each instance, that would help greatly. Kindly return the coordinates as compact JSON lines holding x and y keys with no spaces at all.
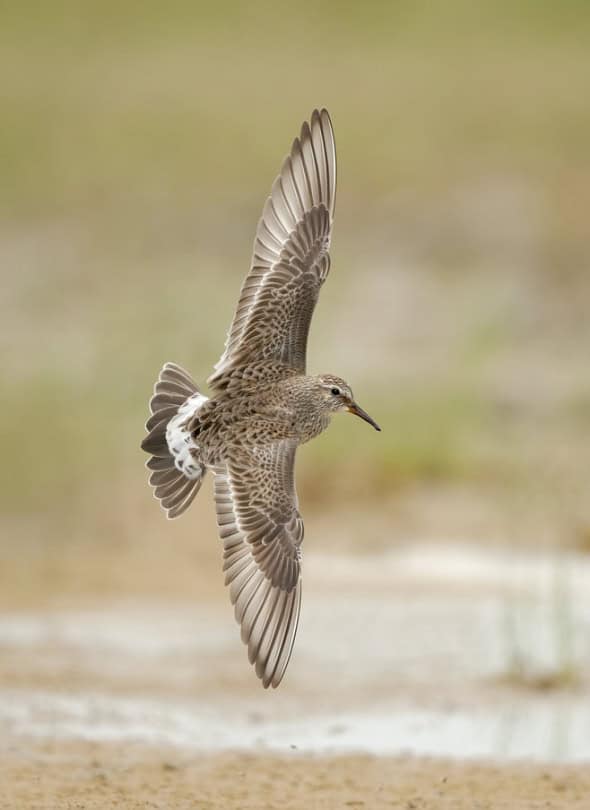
{"x":262,"y":531}
{"x":290,"y":259}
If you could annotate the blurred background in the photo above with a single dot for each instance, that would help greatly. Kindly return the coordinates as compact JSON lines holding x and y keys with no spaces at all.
{"x":138,"y":146}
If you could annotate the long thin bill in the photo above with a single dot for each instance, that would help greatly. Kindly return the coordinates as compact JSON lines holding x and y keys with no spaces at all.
{"x":358,"y":411}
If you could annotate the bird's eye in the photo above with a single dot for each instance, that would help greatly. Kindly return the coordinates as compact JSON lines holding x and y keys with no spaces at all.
{"x":336,"y":392}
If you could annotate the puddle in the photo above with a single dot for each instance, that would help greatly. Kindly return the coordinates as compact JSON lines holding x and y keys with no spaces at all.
{"x":389,"y":669}
{"x":532,"y":729}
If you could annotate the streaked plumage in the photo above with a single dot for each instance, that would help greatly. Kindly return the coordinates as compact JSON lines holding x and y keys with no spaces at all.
{"x":263,"y":406}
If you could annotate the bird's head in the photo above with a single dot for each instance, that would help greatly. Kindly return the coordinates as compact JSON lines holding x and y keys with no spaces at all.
{"x":337,"y":396}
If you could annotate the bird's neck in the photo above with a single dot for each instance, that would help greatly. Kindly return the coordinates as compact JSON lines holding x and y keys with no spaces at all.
{"x":311,"y":418}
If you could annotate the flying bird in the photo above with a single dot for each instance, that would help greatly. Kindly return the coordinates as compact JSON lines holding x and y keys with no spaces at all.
{"x":263,"y":405}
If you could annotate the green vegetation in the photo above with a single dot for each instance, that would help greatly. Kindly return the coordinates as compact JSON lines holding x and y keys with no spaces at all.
{"x":138,"y":144}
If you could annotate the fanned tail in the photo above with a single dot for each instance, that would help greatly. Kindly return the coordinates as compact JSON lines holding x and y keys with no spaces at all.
{"x":176,"y":476}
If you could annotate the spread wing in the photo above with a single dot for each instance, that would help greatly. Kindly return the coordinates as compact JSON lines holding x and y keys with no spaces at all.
{"x":290,"y":260}
{"x":262,"y":532}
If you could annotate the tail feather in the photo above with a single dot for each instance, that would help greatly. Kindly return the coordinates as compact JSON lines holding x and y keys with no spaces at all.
{"x":161,"y":477}
{"x":165,"y":413}
{"x":175,"y":479}
{"x":156,"y":463}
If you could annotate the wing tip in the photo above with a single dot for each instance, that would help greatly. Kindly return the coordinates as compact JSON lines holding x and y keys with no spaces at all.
{"x":271,"y":667}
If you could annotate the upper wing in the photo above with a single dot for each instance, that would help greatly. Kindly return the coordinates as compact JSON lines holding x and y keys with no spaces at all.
{"x":262,"y":531}
{"x":290,"y":260}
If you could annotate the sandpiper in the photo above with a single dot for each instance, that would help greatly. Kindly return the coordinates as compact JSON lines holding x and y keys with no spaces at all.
{"x":263,"y":406}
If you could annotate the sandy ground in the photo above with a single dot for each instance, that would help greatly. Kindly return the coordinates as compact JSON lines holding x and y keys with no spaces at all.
{"x":89,"y":776}
{"x":400,"y":694}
